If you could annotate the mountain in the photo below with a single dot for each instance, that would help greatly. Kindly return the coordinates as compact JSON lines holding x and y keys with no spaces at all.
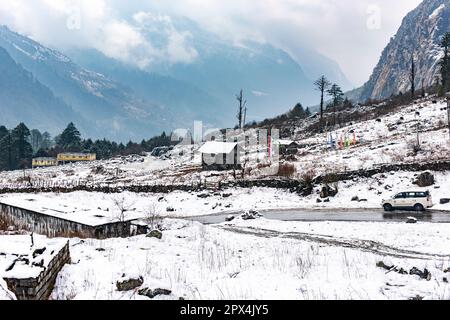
{"x":182,"y":97}
{"x":23,"y":98}
{"x":420,"y":34}
{"x":105,"y":108}
{"x":272,"y":80}
{"x":119,"y":100}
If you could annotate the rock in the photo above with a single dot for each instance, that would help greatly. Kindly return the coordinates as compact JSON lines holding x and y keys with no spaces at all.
{"x":326,"y":200}
{"x":227,"y":195}
{"x":170,"y":209}
{"x":129,"y":284}
{"x":447,"y":270}
{"x":318,"y":200}
{"x":381,"y":264}
{"x":356,"y":198}
{"x":38,"y":252}
{"x":153,"y":293}
{"x":229,"y":218}
{"x":160,"y":199}
{"x":203,"y":196}
{"x":416,"y":298}
{"x":411,"y":220}
{"x":363,"y":200}
{"x":327,"y":192}
{"x":425,"y":274}
{"x":251,"y":215}
{"x":155,"y":234}
{"x":445,"y":280}
{"x":444,"y":201}
{"x":425,"y":179}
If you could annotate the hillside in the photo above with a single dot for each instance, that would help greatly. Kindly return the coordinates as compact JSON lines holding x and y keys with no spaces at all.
{"x":24,"y":97}
{"x":420,"y":35}
{"x":105,"y":108}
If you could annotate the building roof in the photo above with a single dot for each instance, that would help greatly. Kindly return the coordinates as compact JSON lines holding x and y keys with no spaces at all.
{"x":75,"y":154}
{"x":44,"y":159}
{"x":284,"y":142}
{"x":215,"y":147}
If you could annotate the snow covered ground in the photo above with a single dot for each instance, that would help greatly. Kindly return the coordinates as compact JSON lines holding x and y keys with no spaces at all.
{"x":227,"y":262}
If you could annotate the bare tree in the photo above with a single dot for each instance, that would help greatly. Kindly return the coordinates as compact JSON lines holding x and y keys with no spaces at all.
{"x":123,"y":206}
{"x":152,"y":216}
{"x":242,"y":108}
{"x":322,"y":84}
{"x":412,"y":76}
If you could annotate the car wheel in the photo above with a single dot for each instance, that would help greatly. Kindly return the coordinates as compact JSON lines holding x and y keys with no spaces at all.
{"x":419,"y":207}
{"x":388,"y":207}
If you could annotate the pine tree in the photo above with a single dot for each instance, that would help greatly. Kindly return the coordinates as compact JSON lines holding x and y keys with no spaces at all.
{"x":70,"y":139}
{"x":336,"y":93}
{"x":6,"y":150}
{"x":22,"y":149}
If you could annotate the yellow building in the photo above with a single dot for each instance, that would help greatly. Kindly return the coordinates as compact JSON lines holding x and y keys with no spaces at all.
{"x":44,"y":162}
{"x":75,"y":157}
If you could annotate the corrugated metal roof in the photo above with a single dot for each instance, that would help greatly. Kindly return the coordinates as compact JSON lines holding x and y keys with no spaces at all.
{"x":215,"y":147}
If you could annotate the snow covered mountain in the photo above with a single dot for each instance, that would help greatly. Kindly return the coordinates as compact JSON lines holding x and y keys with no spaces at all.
{"x":420,"y":34}
{"x":121,"y":101}
{"x":24,"y":97}
{"x":206,"y":85}
{"x":104,"y":108}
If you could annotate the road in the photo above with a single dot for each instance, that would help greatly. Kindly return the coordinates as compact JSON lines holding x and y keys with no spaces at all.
{"x":350,"y":215}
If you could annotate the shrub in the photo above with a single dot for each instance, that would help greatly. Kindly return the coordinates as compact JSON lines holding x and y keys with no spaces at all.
{"x":286,"y":170}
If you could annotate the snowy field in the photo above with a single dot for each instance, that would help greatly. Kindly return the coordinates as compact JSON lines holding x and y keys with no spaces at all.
{"x":244,"y":260}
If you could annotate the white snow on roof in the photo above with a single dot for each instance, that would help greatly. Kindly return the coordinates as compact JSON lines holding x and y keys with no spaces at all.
{"x":214,"y":147}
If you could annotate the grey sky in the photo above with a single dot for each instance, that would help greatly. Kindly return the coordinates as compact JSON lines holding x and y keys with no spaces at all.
{"x":351,"y":32}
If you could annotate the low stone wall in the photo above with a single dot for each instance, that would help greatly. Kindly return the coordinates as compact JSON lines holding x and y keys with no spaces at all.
{"x":41,"y":287}
{"x":437,"y":166}
{"x":58,"y":227}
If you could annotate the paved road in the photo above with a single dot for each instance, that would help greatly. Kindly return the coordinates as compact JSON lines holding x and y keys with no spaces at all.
{"x":350,"y":215}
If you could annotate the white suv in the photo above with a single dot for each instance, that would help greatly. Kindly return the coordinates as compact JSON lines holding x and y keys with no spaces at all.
{"x":417,"y":200}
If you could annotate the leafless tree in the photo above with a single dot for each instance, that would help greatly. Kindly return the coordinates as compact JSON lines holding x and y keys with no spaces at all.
{"x":152,"y":216}
{"x":322,"y":84}
{"x":412,"y":76}
{"x":242,"y":108}
{"x":123,"y":206}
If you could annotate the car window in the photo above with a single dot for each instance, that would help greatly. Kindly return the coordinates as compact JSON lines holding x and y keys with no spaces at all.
{"x":412,"y":195}
{"x":399,"y":196}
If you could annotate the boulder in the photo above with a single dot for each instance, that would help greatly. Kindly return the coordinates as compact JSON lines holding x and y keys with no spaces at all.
{"x":129,"y":284}
{"x":229,"y":218}
{"x":251,"y":215}
{"x":425,"y":179}
{"x":355,"y":198}
{"x":425,"y":274}
{"x":155,"y":234}
{"x":411,"y":220}
{"x":153,"y":293}
{"x":327,"y":192}
{"x":444,"y":201}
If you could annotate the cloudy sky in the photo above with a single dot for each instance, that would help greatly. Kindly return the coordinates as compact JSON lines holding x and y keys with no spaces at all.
{"x":351,"y":32}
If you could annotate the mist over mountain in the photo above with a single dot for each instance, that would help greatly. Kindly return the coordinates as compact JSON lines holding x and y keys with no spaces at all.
{"x":23,"y":97}
{"x":120,"y":100}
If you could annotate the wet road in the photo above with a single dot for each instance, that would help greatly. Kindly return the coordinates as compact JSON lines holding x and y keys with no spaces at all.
{"x":350,"y":215}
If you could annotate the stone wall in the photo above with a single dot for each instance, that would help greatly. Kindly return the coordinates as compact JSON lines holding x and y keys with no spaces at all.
{"x":58,"y":227}
{"x":41,"y":287}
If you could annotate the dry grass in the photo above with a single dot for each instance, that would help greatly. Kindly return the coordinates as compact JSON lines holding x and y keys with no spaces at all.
{"x":286,"y":170}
